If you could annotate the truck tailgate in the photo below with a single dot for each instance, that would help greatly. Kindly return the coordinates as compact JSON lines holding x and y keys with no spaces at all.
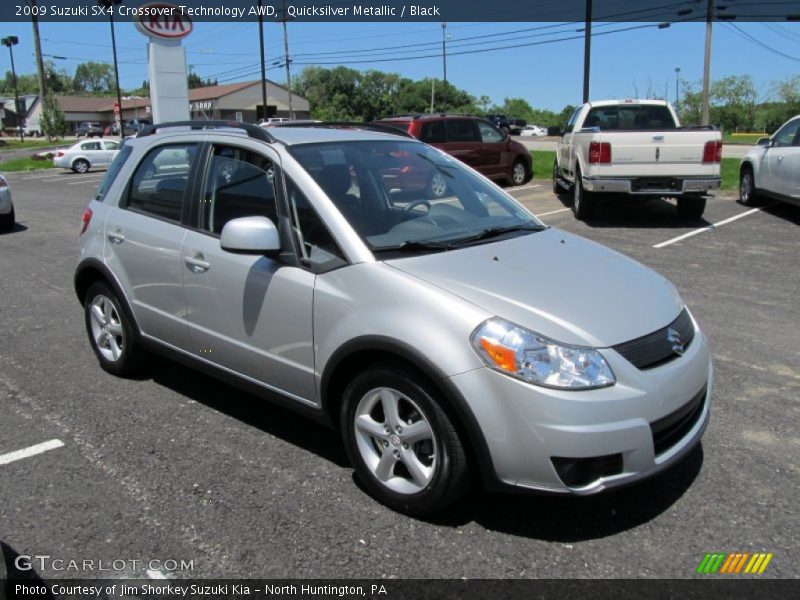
{"x":657,"y":153}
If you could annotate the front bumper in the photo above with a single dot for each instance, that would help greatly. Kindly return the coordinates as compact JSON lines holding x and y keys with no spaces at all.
{"x":649,"y":186}
{"x":526,"y":426}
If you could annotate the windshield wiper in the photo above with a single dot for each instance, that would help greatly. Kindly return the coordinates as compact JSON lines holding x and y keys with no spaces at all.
{"x":409,"y":246}
{"x":492,"y":232}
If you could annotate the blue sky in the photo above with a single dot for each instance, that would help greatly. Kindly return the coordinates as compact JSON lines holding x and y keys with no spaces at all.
{"x":547,"y":75}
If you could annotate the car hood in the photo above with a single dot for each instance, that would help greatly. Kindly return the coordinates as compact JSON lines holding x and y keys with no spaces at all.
{"x":557,"y":284}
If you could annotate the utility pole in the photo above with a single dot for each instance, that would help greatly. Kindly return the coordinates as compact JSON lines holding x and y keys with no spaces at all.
{"x":37,"y":48}
{"x":433,"y":92}
{"x":109,"y":5}
{"x":444,"y":62}
{"x":286,"y":53}
{"x":587,"y":50}
{"x":11,"y":41}
{"x":707,"y":67}
{"x":677,"y":83}
{"x":265,"y":114}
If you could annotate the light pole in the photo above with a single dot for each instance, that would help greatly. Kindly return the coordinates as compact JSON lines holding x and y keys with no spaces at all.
{"x":12,"y":41}
{"x":677,"y":83}
{"x":265,"y":112}
{"x":444,"y":62}
{"x":109,"y":5}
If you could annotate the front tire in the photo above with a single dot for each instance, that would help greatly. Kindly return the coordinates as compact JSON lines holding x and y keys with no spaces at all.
{"x":583,"y":202}
{"x":519,"y":172}
{"x":404,"y":448}
{"x":111,"y":331}
{"x":691,"y":208}
{"x":80,"y":166}
{"x":748,"y":195}
{"x":7,"y":221}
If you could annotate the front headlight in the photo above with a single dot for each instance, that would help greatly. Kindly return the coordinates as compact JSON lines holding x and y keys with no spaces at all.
{"x":531,"y":357}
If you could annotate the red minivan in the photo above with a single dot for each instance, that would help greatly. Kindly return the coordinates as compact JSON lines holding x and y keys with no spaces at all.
{"x":472,"y":140}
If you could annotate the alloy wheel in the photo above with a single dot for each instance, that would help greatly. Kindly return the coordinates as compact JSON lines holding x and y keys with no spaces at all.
{"x":107,"y":330}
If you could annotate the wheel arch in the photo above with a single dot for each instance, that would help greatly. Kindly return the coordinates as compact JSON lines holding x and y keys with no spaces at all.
{"x":80,"y":157}
{"x":358,"y":353}
{"x":91,"y":270}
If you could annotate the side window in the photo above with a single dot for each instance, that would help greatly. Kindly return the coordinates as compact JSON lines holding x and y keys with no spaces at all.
{"x":113,"y":171}
{"x":433,"y":132}
{"x":787,"y":133}
{"x":571,"y":123}
{"x":318,"y":250}
{"x":461,"y":130}
{"x":91,"y":146}
{"x":111,"y":145}
{"x":160,"y":180}
{"x":239,"y":183}
{"x":489,"y":133}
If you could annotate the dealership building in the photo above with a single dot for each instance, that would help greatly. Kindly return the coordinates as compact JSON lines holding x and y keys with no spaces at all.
{"x":231,"y":101}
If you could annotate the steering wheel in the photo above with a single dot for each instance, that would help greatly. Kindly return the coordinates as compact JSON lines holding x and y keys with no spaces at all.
{"x":412,"y":205}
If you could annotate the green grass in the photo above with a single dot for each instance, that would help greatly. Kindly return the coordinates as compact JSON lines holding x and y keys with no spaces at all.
{"x":748,"y":139}
{"x":15,"y":144}
{"x":24,"y":164}
{"x":543,"y":168}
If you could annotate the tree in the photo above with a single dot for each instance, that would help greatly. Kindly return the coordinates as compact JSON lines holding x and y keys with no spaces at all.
{"x":195,"y":81}
{"x":52,"y":121}
{"x":94,"y":78}
{"x":733,"y":103}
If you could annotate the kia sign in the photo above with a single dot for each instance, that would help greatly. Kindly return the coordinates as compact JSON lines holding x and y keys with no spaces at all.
{"x":162,"y":20}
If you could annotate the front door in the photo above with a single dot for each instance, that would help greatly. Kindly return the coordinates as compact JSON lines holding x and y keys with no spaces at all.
{"x":250,"y":314}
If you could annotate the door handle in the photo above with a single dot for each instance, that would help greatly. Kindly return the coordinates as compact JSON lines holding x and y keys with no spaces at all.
{"x":196,"y":264}
{"x":115,"y":237}
{"x":780,"y":158}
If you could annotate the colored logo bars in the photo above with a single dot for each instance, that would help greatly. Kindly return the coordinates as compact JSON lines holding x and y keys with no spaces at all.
{"x":734,"y":563}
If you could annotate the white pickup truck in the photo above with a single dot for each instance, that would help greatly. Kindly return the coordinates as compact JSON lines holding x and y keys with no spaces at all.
{"x":636,"y":147}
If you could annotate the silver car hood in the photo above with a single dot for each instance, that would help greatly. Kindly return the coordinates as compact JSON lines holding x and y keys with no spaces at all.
{"x":557,"y":284}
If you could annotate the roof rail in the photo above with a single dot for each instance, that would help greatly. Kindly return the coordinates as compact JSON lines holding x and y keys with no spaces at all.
{"x":348,"y":125}
{"x":253,"y":131}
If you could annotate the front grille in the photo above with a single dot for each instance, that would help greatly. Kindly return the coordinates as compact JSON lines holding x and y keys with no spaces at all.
{"x":659,"y":347}
{"x":671,"y":429}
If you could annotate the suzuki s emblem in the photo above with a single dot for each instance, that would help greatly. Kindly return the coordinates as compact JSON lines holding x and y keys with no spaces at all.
{"x":674,"y":338}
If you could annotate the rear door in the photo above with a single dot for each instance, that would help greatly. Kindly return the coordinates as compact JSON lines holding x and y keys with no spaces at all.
{"x":462,"y":141}
{"x":144,"y":235}
{"x":95,"y":153}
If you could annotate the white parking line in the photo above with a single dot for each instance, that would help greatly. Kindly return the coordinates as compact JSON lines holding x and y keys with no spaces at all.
{"x":709,"y":227}
{"x":552,"y":212}
{"x":85,"y":181}
{"x":31,"y":451}
{"x":527,"y":187}
{"x":153,"y":574}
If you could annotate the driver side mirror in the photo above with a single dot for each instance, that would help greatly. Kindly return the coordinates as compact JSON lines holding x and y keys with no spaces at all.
{"x":765,"y":141}
{"x":250,"y":235}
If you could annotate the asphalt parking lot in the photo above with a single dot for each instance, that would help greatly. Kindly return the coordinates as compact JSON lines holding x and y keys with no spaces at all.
{"x":177,"y":466}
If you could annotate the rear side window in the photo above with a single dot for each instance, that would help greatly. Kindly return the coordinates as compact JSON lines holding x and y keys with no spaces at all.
{"x":433,"y":132}
{"x":113,"y":171}
{"x":159,"y":182}
{"x":630,"y":118}
{"x":239,"y":183}
{"x":91,"y":146}
{"x":462,"y":130}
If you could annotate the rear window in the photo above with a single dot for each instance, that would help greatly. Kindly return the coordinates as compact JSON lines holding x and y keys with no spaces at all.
{"x":630,"y":118}
{"x":113,"y":171}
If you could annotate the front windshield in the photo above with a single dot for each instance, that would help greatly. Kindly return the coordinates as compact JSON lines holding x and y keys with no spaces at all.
{"x":406,"y":195}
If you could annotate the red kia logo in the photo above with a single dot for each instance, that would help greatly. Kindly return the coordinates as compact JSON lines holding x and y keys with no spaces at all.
{"x":163,"y":20}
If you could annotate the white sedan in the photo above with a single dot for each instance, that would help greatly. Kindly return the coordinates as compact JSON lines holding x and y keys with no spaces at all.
{"x":533,"y":131}
{"x":6,"y":206}
{"x":772,"y":168}
{"x":86,"y":155}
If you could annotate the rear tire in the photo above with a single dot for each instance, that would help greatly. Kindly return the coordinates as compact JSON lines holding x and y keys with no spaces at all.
{"x":404,"y":448}
{"x":583,"y":202}
{"x":748,"y":195}
{"x":112,"y":333}
{"x":7,"y":221}
{"x":80,"y":166}
{"x":691,"y":207}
